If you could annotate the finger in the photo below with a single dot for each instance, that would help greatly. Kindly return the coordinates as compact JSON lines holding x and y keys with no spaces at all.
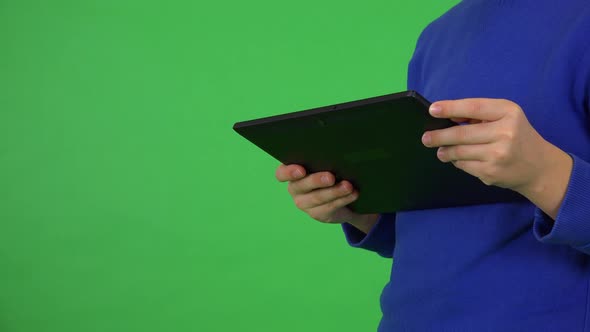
{"x":325,"y":212}
{"x":459,"y":120}
{"x":322,"y":196}
{"x":311,"y":182}
{"x":477,"y":133}
{"x":472,"y":167}
{"x":463,"y":152}
{"x":288,"y":172}
{"x":487,"y":109}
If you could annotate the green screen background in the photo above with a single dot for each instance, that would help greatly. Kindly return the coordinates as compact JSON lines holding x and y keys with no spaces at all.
{"x":128,"y":203}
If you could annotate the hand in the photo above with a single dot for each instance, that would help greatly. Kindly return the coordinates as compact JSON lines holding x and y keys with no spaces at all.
{"x":498,"y":144}
{"x":322,"y":200}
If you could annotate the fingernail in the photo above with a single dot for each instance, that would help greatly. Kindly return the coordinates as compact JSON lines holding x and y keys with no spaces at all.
{"x":344,"y":186}
{"x":435,"y":109}
{"x":426,"y":139}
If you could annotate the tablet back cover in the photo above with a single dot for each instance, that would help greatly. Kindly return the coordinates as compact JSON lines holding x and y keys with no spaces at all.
{"x":375,"y":144}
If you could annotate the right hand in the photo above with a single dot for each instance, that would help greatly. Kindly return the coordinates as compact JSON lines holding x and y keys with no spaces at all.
{"x":324,"y":201}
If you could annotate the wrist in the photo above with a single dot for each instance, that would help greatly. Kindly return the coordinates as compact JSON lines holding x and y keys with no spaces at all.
{"x":551,"y":159}
{"x":365,"y":222}
{"x":548,"y":188}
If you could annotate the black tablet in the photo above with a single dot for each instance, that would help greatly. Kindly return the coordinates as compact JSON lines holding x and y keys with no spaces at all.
{"x":374,"y":143}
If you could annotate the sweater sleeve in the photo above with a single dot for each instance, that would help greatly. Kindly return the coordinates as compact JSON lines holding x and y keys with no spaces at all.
{"x":380,"y":239}
{"x":572,"y":224}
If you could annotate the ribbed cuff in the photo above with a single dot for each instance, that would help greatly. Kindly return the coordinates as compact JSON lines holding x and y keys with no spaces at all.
{"x":572,"y":225}
{"x":381,"y":238}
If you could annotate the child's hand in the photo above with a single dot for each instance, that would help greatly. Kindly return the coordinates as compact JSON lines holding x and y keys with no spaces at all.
{"x":498,"y":145}
{"x":316,"y":195}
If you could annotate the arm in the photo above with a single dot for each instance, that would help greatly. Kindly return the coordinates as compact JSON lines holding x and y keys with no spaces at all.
{"x":377,"y":234}
{"x":506,"y":151}
{"x":562,"y":215}
{"x":367,"y":222}
{"x":548,"y":191}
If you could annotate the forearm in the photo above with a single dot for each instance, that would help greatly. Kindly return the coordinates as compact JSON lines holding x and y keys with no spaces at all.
{"x":548,"y":191}
{"x":366,"y":223}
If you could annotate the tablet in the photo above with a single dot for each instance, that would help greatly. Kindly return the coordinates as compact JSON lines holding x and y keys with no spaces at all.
{"x":374,"y":143}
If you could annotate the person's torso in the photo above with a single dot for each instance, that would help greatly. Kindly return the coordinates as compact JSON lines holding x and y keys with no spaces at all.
{"x":480,"y":268}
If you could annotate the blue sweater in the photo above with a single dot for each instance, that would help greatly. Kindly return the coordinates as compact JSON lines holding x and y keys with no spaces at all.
{"x":498,"y":267}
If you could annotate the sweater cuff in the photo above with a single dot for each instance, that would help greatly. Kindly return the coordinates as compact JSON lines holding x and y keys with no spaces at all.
{"x":572,"y":224}
{"x":381,"y":238}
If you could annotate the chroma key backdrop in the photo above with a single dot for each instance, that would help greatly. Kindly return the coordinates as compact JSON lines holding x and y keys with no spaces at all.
{"x":128,"y":203}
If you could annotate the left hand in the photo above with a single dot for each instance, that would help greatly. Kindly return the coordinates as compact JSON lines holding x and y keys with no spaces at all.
{"x":498,"y":145}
